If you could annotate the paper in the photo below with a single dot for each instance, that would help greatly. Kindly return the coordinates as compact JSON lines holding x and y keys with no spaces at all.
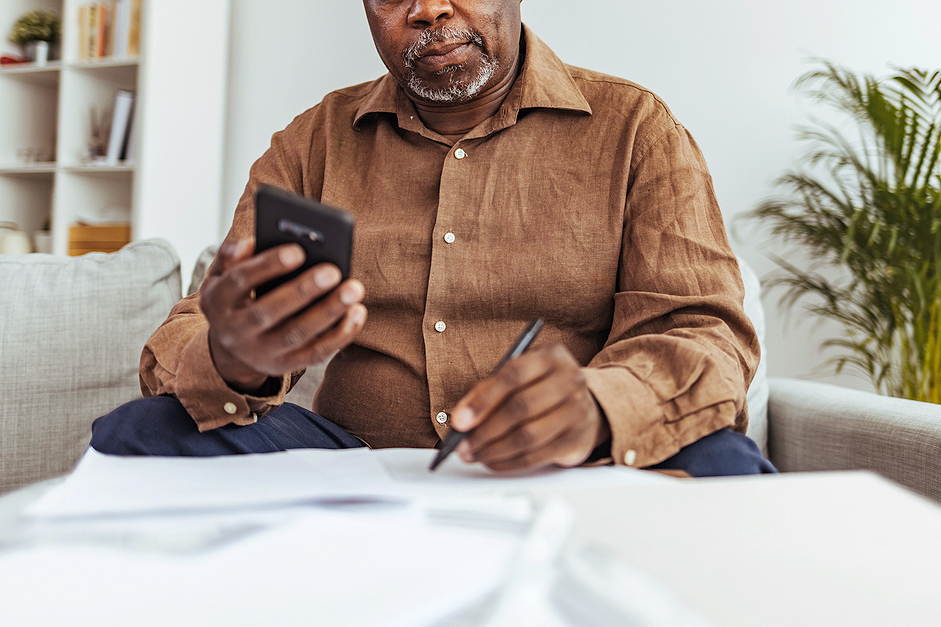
{"x":352,"y":537}
{"x":324,"y":568}
{"x":109,"y":485}
{"x":408,"y":470}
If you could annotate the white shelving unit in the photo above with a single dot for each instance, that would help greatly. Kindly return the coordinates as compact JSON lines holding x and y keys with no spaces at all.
{"x":179,"y":81}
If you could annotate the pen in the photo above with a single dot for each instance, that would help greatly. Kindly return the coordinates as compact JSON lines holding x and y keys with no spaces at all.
{"x":519,"y":347}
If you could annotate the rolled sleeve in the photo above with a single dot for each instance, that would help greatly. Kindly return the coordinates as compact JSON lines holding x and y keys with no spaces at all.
{"x":681,"y":351}
{"x":209,"y":399}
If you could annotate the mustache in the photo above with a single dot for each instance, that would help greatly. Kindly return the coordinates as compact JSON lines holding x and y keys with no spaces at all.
{"x":440,"y":35}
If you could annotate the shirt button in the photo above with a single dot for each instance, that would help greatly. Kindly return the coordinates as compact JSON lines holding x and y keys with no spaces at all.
{"x":441,"y":418}
{"x":440,"y":326}
{"x":459,"y":153}
{"x":449,"y":238}
{"x":630,"y":457}
{"x":230,"y":408}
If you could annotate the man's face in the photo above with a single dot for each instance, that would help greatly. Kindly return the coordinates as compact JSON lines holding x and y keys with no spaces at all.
{"x":446,"y":51}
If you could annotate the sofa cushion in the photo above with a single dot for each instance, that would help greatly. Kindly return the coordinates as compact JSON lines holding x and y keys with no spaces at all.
{"x":71,"y":334}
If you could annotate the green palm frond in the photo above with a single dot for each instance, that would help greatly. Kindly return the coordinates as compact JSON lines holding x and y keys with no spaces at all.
{"x":868,"y":203}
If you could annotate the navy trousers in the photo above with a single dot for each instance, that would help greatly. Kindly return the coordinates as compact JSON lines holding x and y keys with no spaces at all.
{"x":161,"y":426}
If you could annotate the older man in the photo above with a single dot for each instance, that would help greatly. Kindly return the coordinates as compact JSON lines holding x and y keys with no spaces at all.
{"x":491,"y":184}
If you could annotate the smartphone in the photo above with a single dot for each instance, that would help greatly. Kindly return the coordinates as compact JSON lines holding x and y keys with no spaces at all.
{"x":325,"y":233}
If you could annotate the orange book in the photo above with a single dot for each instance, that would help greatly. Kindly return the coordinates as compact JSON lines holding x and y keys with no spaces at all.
{"x":102,"y":38}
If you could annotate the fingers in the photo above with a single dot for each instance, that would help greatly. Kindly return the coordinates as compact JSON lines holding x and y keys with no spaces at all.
{"x":490,"y":394}
{"x":237,"y":274}
{"x":230,"y":252}
{"x":333,"y":317}
{"x":337,"y":338}
{"x":296,"y":325}
{"x":535,"y":411}
{"x":515,"y":406}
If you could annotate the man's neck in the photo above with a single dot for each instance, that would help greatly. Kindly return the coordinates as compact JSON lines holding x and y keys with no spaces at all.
{"x":456,"y":120}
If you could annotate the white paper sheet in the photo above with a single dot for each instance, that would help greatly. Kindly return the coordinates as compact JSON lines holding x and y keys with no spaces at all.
{"x":323,"y":568}
{"x":408,"y":470}
{"x":104,"y":485}
{"x":107,"y":485}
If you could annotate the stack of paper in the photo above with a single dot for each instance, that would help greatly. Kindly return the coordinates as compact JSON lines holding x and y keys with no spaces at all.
{"x":353,"y":537}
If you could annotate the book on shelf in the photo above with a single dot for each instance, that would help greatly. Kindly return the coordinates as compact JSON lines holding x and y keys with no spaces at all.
{"x":109,"y":29}
{"x":122,"y":117}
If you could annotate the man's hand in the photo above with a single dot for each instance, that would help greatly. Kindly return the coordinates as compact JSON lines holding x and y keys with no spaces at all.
{"x":535,"y":411}
{"x":252,"y":340}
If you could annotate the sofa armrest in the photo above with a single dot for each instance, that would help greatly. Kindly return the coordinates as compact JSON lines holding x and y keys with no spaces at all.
{"x":817,"y":426}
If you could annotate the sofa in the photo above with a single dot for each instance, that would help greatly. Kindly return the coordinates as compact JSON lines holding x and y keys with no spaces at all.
{"x":71,"y":332}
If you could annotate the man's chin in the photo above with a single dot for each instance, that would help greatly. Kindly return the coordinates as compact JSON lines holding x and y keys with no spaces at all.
{"x":451,"y":85}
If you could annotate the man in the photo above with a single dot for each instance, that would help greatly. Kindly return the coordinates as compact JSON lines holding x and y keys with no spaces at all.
{"x":491,"y":184}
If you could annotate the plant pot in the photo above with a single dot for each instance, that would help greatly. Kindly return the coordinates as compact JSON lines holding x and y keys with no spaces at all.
{"x":38,"y":52}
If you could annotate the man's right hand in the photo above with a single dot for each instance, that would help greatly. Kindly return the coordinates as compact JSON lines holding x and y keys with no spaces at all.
{"x":252,"y":340}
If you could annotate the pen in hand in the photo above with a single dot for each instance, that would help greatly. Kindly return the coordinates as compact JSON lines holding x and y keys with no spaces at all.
{"x":519,"y":347}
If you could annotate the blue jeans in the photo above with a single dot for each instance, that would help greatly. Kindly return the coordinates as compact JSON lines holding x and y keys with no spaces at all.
{"x":160,"y":425}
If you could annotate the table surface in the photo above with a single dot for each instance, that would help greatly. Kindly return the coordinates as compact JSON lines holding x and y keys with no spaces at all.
{"x":794,"y":549}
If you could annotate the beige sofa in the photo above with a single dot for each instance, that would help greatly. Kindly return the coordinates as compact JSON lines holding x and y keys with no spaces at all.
{"x":71,"y":332}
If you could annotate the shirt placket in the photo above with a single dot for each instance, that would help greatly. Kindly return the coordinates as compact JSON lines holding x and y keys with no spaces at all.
{"x":442,"y":325}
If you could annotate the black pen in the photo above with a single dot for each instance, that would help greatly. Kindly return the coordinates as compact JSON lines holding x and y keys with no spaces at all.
{"x":519,"y":347}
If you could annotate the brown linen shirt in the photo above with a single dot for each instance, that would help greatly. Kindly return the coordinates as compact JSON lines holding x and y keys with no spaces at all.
{"x":582,"y":200}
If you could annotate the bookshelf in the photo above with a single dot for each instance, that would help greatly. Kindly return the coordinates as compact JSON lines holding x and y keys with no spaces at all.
{"x":179,"y":81}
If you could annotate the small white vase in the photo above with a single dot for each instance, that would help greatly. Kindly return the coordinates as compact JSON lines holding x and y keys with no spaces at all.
{"x":13,"y":241}
{"x":38,"y":52}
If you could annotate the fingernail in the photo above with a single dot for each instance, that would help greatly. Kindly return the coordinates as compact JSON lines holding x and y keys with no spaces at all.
{"x":327,"y":277}
{"x":241,"y":247}
{"x":357,"y":316}
{"x":291,"y":256}
{"x":462,"y":419}
{"x":351,"y":293}
{"x":463,"y":449}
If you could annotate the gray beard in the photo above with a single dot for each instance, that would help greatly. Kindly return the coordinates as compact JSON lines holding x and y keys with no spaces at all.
{"x":457,"y":90}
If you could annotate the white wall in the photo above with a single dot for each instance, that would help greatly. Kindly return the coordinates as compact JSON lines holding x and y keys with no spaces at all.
{"x":725,"y":68}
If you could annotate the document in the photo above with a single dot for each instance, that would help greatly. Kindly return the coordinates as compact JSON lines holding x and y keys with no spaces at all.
{"x":351,"y":537}
{"x":321,"y":568}
{"x":106,"y":485}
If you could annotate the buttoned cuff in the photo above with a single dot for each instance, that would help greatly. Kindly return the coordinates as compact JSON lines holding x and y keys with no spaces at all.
{"x":209,"y":399}
{"x":643,"y":431}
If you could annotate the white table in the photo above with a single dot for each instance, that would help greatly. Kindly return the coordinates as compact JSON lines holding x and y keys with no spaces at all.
{"x":826,"y":549}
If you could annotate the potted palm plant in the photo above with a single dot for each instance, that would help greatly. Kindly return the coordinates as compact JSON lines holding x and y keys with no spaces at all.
{"x":36,"y":31}
{"x":865,"y":206}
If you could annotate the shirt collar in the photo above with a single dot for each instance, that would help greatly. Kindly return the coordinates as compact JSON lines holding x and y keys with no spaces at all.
{"x":544,"y":82}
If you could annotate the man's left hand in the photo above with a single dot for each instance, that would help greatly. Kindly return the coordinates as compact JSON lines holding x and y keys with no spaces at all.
{"x":534,"y":411}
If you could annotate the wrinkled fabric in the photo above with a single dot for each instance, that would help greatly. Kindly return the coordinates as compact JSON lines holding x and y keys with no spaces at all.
{"x":582,"y":200}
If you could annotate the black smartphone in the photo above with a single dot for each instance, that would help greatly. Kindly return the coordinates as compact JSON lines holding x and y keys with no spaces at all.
{"x":325,"y":233}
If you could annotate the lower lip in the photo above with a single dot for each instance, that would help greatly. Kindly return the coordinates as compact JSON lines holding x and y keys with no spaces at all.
{"x":439,"y":61}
